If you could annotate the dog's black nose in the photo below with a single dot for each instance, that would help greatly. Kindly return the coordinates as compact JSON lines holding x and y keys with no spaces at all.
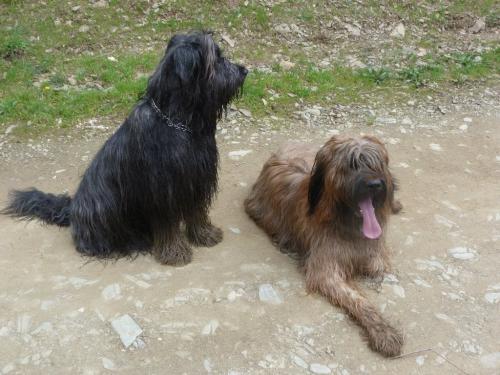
{"x":243,"y":71}
{"x":376,"y":184}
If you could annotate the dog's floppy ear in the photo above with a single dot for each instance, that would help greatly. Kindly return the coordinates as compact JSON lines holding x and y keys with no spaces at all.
{"x":316,"y":183}
{"x":208,"y":51}
{"x":183,"y":64}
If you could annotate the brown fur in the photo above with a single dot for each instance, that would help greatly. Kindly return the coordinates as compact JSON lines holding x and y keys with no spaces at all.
{"x":308,"y":205}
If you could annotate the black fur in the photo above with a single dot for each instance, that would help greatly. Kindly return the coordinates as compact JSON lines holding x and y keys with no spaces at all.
{"x":150,"y":176}
{"x":316,"y":185}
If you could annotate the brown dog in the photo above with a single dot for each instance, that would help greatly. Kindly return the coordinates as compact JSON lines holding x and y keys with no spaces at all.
{"x":332,"y":214}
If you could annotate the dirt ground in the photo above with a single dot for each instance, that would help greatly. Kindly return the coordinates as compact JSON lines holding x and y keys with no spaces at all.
{"x":207,"y":317}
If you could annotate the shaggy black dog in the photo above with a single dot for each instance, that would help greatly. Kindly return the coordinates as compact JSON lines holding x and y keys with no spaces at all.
{"x":158,"y":170}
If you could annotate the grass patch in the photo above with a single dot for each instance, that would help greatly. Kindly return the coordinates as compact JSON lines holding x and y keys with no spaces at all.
{"x":106,"y":87}
{"x":54,"y":74}
{"x":13,"y":44}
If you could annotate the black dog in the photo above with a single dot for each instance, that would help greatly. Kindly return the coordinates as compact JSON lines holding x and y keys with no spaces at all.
{"x":158,"y":170}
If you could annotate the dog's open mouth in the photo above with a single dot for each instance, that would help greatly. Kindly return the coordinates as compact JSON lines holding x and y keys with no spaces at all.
{"x":371,"y":227}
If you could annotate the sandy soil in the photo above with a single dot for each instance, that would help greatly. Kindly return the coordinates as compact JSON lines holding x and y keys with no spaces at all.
{"x":56,"y":308}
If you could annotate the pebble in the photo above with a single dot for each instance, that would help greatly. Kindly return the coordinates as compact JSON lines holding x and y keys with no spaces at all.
{"x":478,"y":26}
{"x":462,"y":253}
{"x":420,"y":360}
{"x":386,"y":120}
{"x":208,"y":365}
{"x":390,"y":279}
{"x":138,"y":282}
{"x":127,"y":329}
{"x":435,"y":147}
{"x":210,"y":328}
{"x":444,"y":317}
{"x":8,"y":368}
{"x":421,"y":282}
{"x":84,"y":29}
{"x":299,"y":361}
{"x":108,"y":364}
{"x":399,"y":31}
{"x":10,"y":128}
{"x":235,"y":230}
{"x":399,"y":291}
{"x":269,"y":295}
{"x":238,"y":154}
{"x":319,"y":368}
{"x":112,"y":292}
{"x":23,"y":323}
{"x":491,"y":360}
{"x":492,"y":297}
{"x":245,"y":112}
{"x":226,"y":38}
{"x":353,"y":30}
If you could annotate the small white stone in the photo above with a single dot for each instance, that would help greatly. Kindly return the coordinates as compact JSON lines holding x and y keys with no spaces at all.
{"x":208,"y":365}
{"x":390,"y":279}
{"x":435,"y":147}
{"x":138,"y":282}
{"x":463,"y":127}
{"x":269,"y":295}
{"x":420,"y":360}
{"x":210,"y":328}
{"x":492,"y":297}
{"x":111,"y":58}
{"x":127,"y":329}
{"x":8,"y":368}
{"x":467,"y":119}
{"x":462,"y":253}
{"x":398,"y":31}
{"x":444,"y":317}
{"x":237,"y":155}
{"x":108,"y":364}
{"x":23,"y":323}
{"x":423,"y":283}
{"x":491,"y":360}
{"x":111,"y":292}
{"x":235,"y":230}
{"x":444,"y":221}
{"x":245,"y":112}
{"x":318,"y":368}
{"x":299,"y":361}
{"x":399,"y":291}
{"x":84,"y":29}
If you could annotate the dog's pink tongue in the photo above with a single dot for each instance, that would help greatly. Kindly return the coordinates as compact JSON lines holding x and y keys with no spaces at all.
{"x":371,"y":227}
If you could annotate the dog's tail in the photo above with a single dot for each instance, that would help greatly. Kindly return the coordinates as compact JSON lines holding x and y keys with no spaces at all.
{"x":35,"y":204}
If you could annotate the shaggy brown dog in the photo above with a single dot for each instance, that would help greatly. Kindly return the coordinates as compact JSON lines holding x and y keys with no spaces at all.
{"x":332,"y":215}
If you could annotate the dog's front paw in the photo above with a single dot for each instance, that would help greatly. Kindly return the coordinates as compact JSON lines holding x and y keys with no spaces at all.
{"x":206,"y":236}
{"x":175,"y":255}
{"x":386,"y":340}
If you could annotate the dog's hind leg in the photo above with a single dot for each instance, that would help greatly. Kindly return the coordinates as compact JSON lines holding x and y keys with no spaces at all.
{"x":328,"y":280}
{"x":169,"y":246}
{"x":201,"y":232}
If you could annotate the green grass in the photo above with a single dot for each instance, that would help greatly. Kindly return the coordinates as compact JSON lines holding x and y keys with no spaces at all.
{"x":54,"y":100}
{"x":51,"y":74}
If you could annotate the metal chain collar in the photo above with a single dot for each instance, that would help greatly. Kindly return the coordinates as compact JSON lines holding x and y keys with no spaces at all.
{"x":179,"y":126}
